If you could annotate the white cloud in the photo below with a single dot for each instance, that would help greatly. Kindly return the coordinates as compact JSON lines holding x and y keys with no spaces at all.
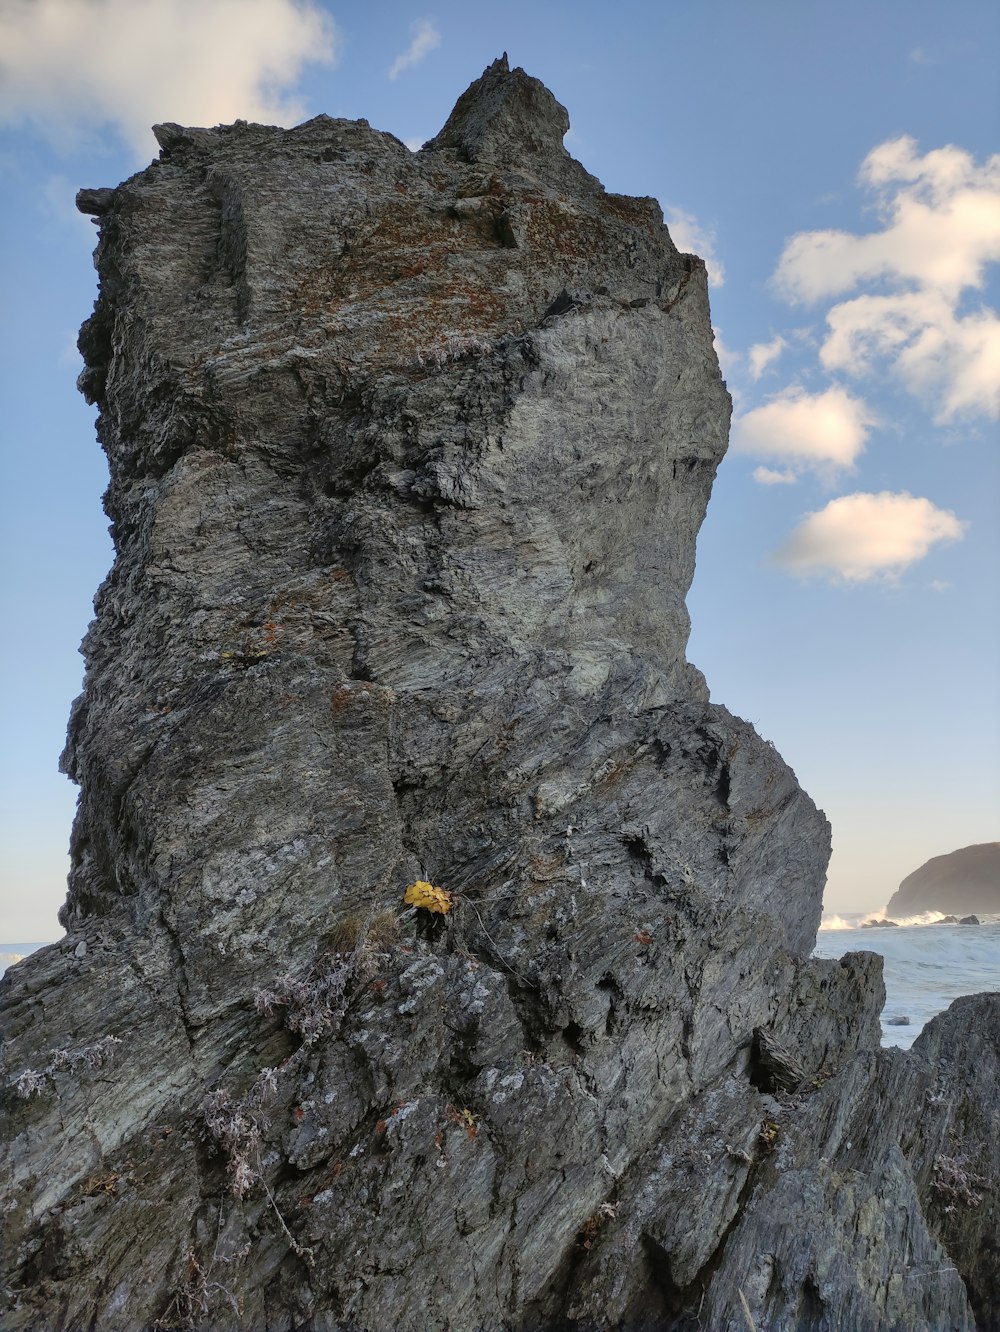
{"x":762,"y":354}
{"x":69,"y":68}
{"x":767,"y":476}
{"x":941,"y":215}
{"x":862,"y":536}
{"x":425,"y":38}
{"x":942,"y":226}
{"x":933,"y":350}
{"x":691,"y":237}
{"x":823,"y":432}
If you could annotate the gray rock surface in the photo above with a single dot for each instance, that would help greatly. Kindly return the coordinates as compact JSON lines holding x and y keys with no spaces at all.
{"x":408,"y":457}
{"x":955,"y":1149}
{"x":962,"y":881}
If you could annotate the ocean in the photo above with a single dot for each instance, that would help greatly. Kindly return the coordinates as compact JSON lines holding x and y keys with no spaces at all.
{"x":13,"y":952}
{"x":927,"y":964}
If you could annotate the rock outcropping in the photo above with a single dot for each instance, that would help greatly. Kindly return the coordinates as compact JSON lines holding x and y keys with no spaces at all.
{"x":408,"y":457}
{"x":962,"y":881}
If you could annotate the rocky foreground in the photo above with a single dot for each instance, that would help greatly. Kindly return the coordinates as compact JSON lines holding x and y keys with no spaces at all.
{"x":408,"y":457}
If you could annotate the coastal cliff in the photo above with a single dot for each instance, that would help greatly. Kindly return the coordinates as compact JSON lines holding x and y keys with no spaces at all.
{"x":408,"y":457}
{"x":962,"y":881}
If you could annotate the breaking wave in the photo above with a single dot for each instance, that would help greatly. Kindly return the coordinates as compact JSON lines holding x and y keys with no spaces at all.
{"x":856,"y":920}
{"x":927,"y":964}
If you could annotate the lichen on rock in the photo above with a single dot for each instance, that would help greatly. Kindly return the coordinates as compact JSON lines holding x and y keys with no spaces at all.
{"x":408,"y":457}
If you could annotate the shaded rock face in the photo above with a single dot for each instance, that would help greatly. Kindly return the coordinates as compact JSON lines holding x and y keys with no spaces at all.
{"x":408,"y":456}
{"x":962,"y":881}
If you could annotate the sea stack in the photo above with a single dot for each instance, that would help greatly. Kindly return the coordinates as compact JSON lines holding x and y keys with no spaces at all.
{"x":437,"y":955}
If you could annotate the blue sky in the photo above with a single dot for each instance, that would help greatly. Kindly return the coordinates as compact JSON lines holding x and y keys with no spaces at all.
{"x":833,"y":164}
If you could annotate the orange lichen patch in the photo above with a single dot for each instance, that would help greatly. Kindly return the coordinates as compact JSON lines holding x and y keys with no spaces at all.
{"x":614,"y":772}
{"x":420,"y":279}
{"x":353,"y":692}
{"x":428,"y":898}
{"x":588,"y":1232}
{"x":637,"y":212}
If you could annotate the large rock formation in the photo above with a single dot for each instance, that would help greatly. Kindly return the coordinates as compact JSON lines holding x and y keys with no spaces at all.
{"x":962,"y":881}
{"x":408,"y":456}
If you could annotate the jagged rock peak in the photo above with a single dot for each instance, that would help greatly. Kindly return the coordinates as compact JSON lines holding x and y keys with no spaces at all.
{"x":503,"y":117}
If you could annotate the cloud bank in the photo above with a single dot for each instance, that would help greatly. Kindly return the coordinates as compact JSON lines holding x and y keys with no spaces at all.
{"x":863,"y":536}
{"x":69,"y":68}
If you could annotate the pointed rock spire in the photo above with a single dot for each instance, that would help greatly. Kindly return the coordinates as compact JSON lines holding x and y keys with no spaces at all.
{"x":503,"y":117}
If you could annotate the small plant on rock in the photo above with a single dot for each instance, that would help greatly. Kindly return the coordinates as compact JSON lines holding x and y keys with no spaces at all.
{"x":32,"y":1082}
{"x":313,"y":1006}
{"x":955,"y":1184}
{"x":428,"y":898}
{"x":316,"y":1005}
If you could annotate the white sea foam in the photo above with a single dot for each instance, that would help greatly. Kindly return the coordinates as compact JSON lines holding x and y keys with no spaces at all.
{"x":859,"y":921}
{"x":926,"y":964}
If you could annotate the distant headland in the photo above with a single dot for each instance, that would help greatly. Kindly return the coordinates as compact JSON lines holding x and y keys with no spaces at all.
{"x":967,"y":880}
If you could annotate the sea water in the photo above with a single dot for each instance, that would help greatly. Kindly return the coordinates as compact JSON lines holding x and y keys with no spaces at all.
{"x":926,"y":964}
{"x":13,"y":952}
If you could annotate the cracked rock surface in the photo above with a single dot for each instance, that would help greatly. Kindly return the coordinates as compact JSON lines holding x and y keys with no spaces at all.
{"x":408,"y":457}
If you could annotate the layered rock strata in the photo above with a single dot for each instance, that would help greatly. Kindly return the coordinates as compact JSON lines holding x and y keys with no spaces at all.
{"x":408,"y":456}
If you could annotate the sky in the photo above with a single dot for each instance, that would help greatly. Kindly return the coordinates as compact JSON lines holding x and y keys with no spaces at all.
{"x":834,"y":163}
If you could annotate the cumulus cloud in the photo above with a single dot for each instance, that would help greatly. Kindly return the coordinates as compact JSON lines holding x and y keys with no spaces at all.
{"x":940,"y":215}
{"x":762,"y":354}
{"x":70,"y":67}
{"x":425,"y":38}
{"x":941,"y":226}
{"x":822,"y":432}
{"x":933,"y":349}
{"x":862,"y":536}
{"x":691,"y":237}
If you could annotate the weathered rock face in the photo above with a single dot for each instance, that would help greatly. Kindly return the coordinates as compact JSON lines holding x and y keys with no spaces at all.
{"x":408,"y":456}
{"x":962,"y":881}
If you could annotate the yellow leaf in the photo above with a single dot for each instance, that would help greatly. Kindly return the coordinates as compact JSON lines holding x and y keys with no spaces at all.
{"x":425,"y":895}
